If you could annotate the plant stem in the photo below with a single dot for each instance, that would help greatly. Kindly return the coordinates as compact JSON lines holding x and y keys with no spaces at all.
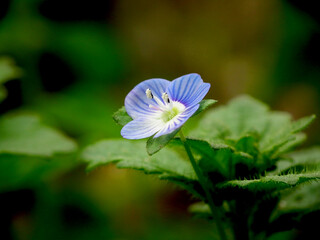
{"x":214,"y":209}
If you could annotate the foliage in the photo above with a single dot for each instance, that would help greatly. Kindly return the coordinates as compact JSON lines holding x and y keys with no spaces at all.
{"x":25,"y":135}
{"x":8,"y":71}
{"x":30,"y":151}
{"x":244,"y":151}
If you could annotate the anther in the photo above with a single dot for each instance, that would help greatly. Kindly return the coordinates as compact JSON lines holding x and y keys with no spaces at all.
{"x":149,"y":93}
{"x":165,"y":97}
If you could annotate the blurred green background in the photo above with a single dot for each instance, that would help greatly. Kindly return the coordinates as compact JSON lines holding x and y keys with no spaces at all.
{"x":79,"y":59}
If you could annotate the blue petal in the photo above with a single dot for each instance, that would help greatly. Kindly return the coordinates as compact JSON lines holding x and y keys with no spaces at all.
{"x":198,"y":95}
{"x":177,"y":122}
{"x":137,"y":103}
{"x":188,"y":89}
{"x":141,"y":128}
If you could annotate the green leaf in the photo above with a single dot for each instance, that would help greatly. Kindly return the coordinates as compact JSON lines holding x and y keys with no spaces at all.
{"x":205,"y":155}
{"x":296,"y":140}
{"x":248,"y":144}
{"x":8,"y":70}
{"x":302,"y":123}
{"x":302,"y":198}
{"x":156,"y":144}
{"x":204,"y":104}
{"x":215,"y":160}
{"x":121,"y":116}
{"x":232,"y":121}
{"x":296,"y":205}
{"x":271,"y":183}
{"x":132,"y":154}
{"x":247,"y":126}
{"x":287,"y":137}
{"x":109,"y":151}
{"x":25,"y":135}
{"x":193,"y":186}
{"x":201,"y":210}
{"x":300,"y":160}
{"x":128,"y":154}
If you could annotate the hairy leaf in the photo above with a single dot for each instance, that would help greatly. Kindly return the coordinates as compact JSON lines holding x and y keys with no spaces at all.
{"x":132,"y":154}
{"x":217,"y":161}
{"x":300,"y":160}
{"x":271,"y":183}
{"x":247,"y":126}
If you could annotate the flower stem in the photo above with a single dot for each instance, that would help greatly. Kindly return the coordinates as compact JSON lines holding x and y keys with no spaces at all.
{"x":216,"y":213}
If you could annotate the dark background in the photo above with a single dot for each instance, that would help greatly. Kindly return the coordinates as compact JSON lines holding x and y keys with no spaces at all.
{"x":81,"y":58}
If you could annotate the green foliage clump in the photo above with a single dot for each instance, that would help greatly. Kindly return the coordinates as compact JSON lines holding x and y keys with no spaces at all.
{"x":30,"y":151}
{"x":8,"y":71}
{"x":245,"y":152}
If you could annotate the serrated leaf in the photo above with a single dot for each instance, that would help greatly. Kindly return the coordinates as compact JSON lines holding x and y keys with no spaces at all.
{"x":121,"y":116}
{"x":239,"y":116}
{"x":286,"y":138}
{"x":204,"y":104}
{"x":167,"y":164}
{"x":25,"y":135}
{"x":132,"y":154}
{"x":206,"y":155}
{"x":215,"y":161}
{"x":271,"y":183}
{"x":300,"y":160}
{"x":156,"y":144}
{"x":302,"y":123}
{"x":296,"y":140}
{"x":248,"y":126}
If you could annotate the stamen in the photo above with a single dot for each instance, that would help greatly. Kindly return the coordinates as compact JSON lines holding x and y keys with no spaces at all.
{"x":149,"y":93}
{"x":165,"y":97}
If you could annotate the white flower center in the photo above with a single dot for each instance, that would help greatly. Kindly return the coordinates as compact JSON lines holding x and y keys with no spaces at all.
{"x":168,"y":110}
{"x":172,"y":111}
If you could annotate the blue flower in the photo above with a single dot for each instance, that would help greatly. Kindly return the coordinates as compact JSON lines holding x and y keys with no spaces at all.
{"x":158,"y":106}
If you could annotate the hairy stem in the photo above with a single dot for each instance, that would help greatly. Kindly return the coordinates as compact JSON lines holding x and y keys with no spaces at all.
{"x":216,"y":212}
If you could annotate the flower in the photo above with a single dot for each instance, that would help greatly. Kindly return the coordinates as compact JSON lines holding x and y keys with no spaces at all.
{"x":158,"y":106}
